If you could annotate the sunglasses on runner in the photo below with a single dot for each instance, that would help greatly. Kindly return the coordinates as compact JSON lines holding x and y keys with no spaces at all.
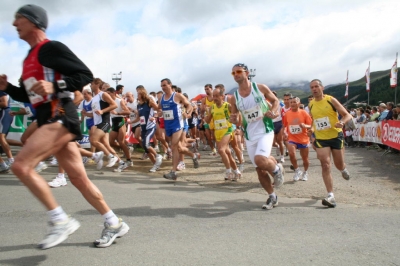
{"x":239,"y":71}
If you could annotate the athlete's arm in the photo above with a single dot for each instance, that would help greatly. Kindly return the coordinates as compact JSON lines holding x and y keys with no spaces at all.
{"x":182,"y":99}
{"x":57,"y":56}
{"x":125,"y":110}
{"x":16,"y":93}
{"x":78,"y":97}
{"x":342,"y":111}
{"x":234,"y":117}
{"x":112,"y":104}
{"x":273,"y":112}
{"x":4,"y":101}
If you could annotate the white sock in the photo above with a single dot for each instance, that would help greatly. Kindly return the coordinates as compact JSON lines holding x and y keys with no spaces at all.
{"x":61,"y":175}
{"x":273,"y":195}
{"x":11,"y":160}
{"x":236,"y":171}
{"x":330,"y":194}
{"x":297,"y":169}
{"x":195,"y":156}
{"x":57,"y":215}
{"x":110,"y":156}
{"x":228,"y":170}
{"x":111,"y":218}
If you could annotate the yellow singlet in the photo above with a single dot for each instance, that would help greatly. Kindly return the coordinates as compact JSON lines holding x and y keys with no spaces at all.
{"x":221,"y":121}
{"x":324,"y":117}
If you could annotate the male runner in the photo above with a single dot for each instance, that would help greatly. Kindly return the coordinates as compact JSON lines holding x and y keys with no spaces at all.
{"x":327,"y":127}
{"x":258,"y":128}
{"x":170,"y":105}
{"x":219,"y":115}
{"x":296,"y":121}
{"x":50,"y":72}
{"x":205,"y":108}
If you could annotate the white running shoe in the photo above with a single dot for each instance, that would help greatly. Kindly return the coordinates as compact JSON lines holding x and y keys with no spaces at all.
{"x":228,"y":176}
{"x":282,"y":159}
{"x":181,"y":166}
{"x":58,"y":232}
{"x":85,"y":160}
{"x":110,"y":233}
{"x":122,"y":166}
{"x":236,"y":176}
{"x":54,"y":161}
{"x":241,"y":167}
{"x":304,"y":176}
{"x":112,"y":161}
{"x":157,"y":149}
{"x":98,"y":159}
{"x":40,"y":167}
{"x":159,"y":159}
{"x":297,"y":175}
{"x":58,"y":182}
{"x":154,"y":168}
{"x":279,"y":176}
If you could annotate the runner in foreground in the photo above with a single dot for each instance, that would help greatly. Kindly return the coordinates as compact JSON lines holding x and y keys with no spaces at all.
{"x":50,"y":72}
{"x":258,"y":129}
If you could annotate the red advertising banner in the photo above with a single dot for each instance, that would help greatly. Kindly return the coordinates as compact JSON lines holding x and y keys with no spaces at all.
{"x":391,"y":133}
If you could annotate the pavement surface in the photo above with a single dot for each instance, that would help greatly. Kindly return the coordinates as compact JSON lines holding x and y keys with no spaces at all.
{"x":202,"y":220}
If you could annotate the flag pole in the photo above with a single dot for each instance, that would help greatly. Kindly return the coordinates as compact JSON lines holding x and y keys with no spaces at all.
{"x":347,"y":89}
{"x":369,"y":85}
{"x":395,"y":89}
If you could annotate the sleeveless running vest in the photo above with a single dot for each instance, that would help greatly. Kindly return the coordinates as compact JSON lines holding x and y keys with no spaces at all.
{"x":253,"y":107}
{"x":146,"y":112}
{"x":221,"y":116}
{"x":324,"y":117}
{"x":118,"y":109}
{"x":99,"y":104}
{"x":171,"y":113}
{"x":33,"y":71}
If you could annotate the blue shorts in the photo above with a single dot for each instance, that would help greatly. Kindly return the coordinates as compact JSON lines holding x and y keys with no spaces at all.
{"x":170,"y":131}
{"x":298,"y":145}
{"x":5,"y":121}
{"x":277,"y":127}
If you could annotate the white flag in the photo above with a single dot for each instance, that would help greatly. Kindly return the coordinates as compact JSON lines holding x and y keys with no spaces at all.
{"x":393,"y":75}
{"x":367,"y":78}
{"x":346,"y":94}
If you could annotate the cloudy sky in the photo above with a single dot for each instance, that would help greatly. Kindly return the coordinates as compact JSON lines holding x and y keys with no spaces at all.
{"x":194,"y":42}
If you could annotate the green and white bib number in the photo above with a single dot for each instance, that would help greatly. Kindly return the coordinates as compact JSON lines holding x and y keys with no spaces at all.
{"x":253,"y":114}
{"x":221,"y":124}
{"x":295,"y":129}
{"x":322,"y":123}
{"x":168,"y":115}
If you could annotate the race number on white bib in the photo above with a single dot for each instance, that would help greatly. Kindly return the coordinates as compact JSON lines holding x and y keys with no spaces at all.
{"x":220,"y":124}
{"x":168,"y":115}
{"x":253,"y":114}
{"x":33,"y":97}
{"x":142,"y":120}
{"x":295,"y":129}
{"x":322,"y":123}
{"x":132,"y":116}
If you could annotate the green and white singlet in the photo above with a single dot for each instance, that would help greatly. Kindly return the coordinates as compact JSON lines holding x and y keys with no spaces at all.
{"x":253,"y":107}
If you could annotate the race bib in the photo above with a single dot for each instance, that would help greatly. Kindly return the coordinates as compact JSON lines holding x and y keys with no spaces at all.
{"x":168,"y":115}
{"x":142,"y":120}
{"x":253,"y":114}
{"x":132,"y":116}
{"x":322,"y":123}
{"x":220,"y":124}
{"x":33,"y":97}
{"x":295,"y":129}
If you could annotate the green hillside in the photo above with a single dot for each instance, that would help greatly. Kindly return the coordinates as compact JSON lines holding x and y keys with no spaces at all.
{"x":380,"y":90}
{"x":298,"y":93}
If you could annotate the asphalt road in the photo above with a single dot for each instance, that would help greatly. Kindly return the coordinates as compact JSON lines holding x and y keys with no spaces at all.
{"x":184,"y":223}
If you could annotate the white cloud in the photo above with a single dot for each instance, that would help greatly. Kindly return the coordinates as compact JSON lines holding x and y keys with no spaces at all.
{"x":197,"y":42}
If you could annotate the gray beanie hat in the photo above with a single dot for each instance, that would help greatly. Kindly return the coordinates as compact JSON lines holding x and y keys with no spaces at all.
{"x":35,"y":14}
